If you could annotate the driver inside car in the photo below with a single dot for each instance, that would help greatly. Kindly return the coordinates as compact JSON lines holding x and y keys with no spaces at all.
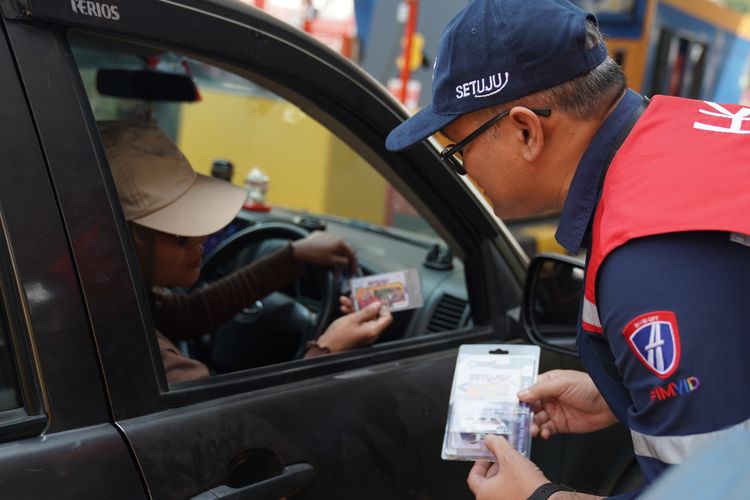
{"x":170,"y":210}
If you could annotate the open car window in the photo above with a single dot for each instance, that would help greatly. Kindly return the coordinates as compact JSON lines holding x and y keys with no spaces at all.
{"x":232,"y":118}
{"x":313,"y":180}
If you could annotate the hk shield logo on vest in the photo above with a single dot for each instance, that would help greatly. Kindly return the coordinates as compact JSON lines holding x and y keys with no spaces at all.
{"x":655,"y":340}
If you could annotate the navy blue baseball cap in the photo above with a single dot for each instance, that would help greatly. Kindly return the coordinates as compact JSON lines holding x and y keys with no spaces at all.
{"x":495,"y":51}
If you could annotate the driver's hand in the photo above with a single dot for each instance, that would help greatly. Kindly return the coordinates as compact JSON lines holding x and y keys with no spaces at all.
{"x":357,"y":329}
{"x":346,"y":304}
{"x":324,"y":249}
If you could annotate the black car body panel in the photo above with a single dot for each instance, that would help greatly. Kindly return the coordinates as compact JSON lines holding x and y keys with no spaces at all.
{"x":96,"y":417}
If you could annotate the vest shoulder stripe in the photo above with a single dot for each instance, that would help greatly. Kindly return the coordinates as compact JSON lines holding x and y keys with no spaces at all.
{"x":675,"y":449}
{"x":590,"y":317}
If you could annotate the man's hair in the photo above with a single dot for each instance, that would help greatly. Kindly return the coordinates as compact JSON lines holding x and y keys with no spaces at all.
{"x":584,"y":98}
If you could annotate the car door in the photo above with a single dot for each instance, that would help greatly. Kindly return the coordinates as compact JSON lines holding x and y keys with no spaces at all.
{"x":57,"y":439}
{"x":367,"y":423}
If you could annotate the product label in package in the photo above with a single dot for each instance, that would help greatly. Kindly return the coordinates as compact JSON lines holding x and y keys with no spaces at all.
{"x":484,"y":399}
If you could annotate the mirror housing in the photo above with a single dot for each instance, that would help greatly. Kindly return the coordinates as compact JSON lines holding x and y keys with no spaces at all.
{"x":147,"y":85}
{"x":551,"y":301}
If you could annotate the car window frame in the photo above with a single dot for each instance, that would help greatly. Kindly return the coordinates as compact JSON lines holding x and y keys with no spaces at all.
{"x":29,"y":417}
{"x":224,"y":24}
{"x":42,"y":309}
{"x":469,"y":225}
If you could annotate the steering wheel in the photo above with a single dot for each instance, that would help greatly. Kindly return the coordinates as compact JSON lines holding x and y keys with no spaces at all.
{"x":278,"y":327}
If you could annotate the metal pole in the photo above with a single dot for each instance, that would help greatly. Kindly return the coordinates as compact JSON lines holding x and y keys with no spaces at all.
{"x":409,"y":30}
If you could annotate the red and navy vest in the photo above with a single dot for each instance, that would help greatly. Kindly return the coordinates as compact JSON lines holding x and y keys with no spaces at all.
{"x":685,"y":166}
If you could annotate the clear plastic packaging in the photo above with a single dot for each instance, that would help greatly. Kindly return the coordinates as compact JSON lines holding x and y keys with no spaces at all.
{"x":484,"y":399}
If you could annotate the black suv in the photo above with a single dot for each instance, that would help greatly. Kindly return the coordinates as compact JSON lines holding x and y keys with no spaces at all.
{"x":85,"y":409}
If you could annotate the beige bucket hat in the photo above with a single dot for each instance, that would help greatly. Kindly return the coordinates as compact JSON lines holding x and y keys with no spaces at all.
{"x":158,"y":187}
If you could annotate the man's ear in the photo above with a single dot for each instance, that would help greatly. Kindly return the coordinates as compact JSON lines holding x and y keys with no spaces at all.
{"x":527,"y":130}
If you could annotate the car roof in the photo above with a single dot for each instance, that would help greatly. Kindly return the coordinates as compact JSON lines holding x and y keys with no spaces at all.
{"x":281,"y":58}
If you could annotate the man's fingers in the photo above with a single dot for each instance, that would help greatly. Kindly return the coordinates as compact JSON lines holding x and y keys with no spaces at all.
{"x":498,"y":445}
{"x":534,"y":430}
{"x":541,"y":417}
{"x":536,"y":406}
{"x":480,"y":468}
{"x":477,"y":474}
{"x":547,"y":429}
{"x":550,"y":384}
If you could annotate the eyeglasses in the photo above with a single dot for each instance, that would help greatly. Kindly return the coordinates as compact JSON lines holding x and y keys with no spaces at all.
{"x":448,"y":155}
{"x":182,"y":241}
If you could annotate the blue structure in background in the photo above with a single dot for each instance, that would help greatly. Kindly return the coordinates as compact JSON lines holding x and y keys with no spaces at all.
{"x":723,"y":68}
{"x":685,"y":53}
{"x":363,"y":10}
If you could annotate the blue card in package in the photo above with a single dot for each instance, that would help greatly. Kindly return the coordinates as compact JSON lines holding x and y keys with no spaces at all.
{"x":484,"y":399}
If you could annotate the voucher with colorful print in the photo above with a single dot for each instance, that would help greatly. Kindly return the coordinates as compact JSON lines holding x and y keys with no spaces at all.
{"x":399,"y":290}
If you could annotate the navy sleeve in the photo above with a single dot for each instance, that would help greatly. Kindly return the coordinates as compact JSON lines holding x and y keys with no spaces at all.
{"x":676,"y":315}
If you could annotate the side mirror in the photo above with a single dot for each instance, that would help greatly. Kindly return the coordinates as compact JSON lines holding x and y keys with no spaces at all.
{"x":147,"y":85}
{"x":552,"y":297}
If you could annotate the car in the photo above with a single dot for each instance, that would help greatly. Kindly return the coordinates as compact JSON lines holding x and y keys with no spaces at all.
{"x":85,"y":407}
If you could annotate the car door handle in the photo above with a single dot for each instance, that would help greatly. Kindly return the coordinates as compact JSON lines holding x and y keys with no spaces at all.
{"x":291,"y":480}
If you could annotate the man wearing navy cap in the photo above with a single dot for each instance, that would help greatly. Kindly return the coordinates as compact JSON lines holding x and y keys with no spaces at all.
{"x":539,"y":115}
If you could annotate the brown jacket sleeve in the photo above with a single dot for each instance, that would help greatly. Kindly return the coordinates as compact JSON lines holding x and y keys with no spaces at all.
{"x":178,"y":367}
{"x":188,"y":316}
{"x":314,"y":350}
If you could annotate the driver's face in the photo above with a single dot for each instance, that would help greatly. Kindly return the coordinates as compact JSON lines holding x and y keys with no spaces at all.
{"x":177,"y":262}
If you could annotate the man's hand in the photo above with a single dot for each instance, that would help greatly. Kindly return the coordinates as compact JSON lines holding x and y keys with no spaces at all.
{"x":356,"y":329}
{"x":566,"y":401}
{"x":513,"y":476}
{"x":324,"y":249}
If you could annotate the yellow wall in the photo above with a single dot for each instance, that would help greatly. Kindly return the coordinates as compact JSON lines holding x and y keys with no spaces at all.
{"x":544,"y":234}
{"x":634,"y":63}
{"x":354,"y":188}
{"x":308,"y":167}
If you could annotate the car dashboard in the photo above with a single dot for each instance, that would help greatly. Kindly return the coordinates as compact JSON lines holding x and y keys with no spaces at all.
{"x":381,"y":250}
